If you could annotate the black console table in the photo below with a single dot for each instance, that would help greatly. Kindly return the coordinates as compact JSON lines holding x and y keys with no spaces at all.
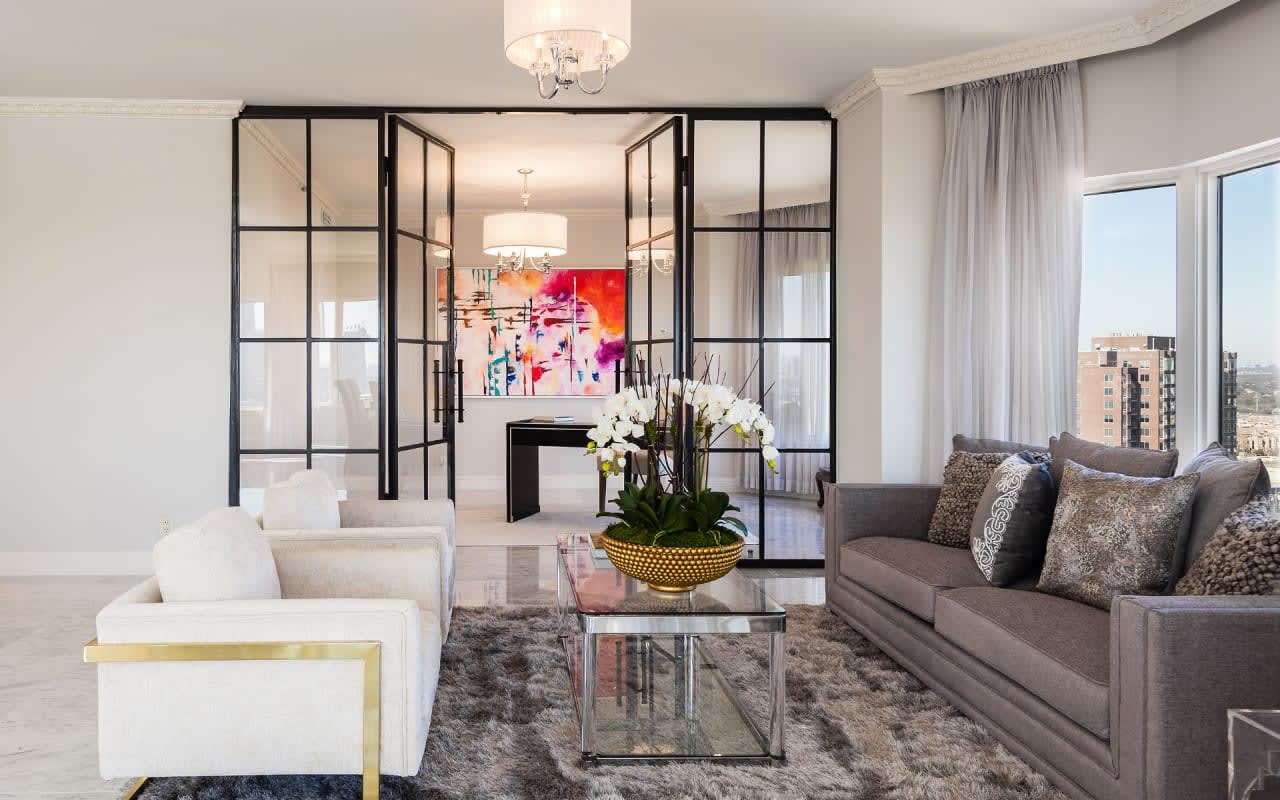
{"x":524,"y":437}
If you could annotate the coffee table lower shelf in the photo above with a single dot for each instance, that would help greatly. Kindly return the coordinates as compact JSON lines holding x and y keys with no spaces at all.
{"x":665,"y":698}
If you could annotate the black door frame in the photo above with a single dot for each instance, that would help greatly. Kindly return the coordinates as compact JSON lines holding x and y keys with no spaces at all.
{"x":684,"y":319}
{"x":760,"y":229}
{"x":236,"y":452}
{"x":445,"y":381}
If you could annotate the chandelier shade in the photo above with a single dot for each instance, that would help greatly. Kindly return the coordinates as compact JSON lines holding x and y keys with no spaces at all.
{"x":593,"y":27}
{"x":528,"y":233}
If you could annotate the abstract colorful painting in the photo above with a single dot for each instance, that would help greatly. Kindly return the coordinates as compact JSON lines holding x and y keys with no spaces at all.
{"x":530,"y":333}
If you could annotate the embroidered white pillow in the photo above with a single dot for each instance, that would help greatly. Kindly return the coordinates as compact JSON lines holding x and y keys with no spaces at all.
{"x":1012,"y":521}
{"x":306,"y":501}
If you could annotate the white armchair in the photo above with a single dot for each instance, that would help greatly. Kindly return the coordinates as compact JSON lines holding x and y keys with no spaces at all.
{"x":338,"y":676}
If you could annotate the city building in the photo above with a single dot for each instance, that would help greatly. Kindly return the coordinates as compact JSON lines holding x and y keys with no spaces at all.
{"x":1125,"y":391}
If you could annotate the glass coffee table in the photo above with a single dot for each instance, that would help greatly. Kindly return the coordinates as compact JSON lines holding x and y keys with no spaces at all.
{"x":648,"y":672}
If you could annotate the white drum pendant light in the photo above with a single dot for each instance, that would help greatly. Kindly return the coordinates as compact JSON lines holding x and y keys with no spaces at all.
{"x":525,"y":238}
{"x":558,"y":40}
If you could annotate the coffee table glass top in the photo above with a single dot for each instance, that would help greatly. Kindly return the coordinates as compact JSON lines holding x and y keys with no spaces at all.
{"x":600,"y":589}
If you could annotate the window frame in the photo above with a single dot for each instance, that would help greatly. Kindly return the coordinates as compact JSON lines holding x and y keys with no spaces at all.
{"x":1198,"y":322}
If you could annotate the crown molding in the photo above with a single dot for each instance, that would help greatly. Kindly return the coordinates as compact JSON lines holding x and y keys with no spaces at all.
{"x":118,"y":107}
{"x":1138,"y":30}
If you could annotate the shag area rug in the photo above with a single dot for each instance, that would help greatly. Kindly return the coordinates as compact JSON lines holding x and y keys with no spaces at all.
{"x":858,"y":726}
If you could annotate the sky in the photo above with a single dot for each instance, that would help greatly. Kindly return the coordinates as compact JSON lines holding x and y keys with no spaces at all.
{"x":1129,"y":279}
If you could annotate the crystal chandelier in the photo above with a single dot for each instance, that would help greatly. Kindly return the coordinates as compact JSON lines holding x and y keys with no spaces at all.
{"x":558,"y":40}
{"x":525,"y":238}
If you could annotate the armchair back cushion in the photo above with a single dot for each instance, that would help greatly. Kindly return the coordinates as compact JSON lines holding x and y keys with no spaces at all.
{"x":221,"y":556}
{"x":306,"y":501}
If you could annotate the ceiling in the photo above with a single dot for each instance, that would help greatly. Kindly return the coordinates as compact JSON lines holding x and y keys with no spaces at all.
{"x":448,"y":53}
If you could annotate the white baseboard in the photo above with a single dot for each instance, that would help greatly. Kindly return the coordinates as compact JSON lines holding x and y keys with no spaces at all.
{"x":108,"y":562}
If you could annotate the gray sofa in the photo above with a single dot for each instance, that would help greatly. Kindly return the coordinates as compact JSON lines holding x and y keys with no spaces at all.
{"x":1128,"y":704}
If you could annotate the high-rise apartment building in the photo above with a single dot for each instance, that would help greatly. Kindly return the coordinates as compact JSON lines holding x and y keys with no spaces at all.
{"x":1125,"y":392}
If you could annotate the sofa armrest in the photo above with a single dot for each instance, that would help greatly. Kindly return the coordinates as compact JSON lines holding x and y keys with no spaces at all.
{"x":857,"y":510}
{"x":1177,"y":665}
{"x":409,"y":562}
{"x":144,"y":706}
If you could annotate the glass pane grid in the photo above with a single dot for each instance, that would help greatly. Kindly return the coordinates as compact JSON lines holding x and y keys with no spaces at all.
{"x":332,"y":266}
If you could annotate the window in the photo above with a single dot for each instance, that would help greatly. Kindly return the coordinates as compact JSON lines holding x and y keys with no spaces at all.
{"x":1249,"y":260}
{"x":1128,"y":302}
{"x":1108,"y":417}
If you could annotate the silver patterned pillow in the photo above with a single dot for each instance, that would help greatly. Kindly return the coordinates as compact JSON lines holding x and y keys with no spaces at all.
{"x":1012,"y":520}
{"x":1114,"y":534}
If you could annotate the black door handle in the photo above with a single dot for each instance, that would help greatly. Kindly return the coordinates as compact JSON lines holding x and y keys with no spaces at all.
{"x":461,"y":411}
{"x":435,"y":386}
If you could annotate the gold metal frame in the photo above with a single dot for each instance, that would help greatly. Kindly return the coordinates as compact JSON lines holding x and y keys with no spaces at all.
{"x":370,"y":653}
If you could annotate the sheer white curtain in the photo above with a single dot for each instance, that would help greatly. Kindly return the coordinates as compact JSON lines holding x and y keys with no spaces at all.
{"x":1006,"y":283}
{"x":797,"y":302}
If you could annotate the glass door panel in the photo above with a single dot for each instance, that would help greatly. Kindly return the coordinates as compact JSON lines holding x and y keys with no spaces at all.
{"x":423,"y":372}
{"x":308,"y":305}
{"x":760,"y":293}
{"x":654,"y":201}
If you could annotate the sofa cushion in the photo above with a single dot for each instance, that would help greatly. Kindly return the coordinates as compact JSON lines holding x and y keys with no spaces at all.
{"x":1115,"y":534}
{"x":972,"y":444}
{"x":306,"y":501}
{"x":221,"y":556}
{"x":908,"y":572}
{"x":1057,"y":649}
{"x":1225,"y":485}
{"x":1013,"y":518}
{"x":1123,"y":460}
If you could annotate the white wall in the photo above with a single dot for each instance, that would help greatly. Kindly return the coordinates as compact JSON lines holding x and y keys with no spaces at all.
{"x":595,"y":240}
{"x":114,"y":287}
{"x":1207,"y":90}
{"x":890,"y":151}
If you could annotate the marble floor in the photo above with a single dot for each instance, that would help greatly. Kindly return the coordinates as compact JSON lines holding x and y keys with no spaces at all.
{"x":48,"y":727}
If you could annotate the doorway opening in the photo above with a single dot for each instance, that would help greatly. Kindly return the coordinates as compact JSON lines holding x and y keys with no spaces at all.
{"x":377,"y":340}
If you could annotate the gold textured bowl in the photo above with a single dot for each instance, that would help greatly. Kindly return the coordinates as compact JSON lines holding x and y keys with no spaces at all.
{"x":672,"y":569}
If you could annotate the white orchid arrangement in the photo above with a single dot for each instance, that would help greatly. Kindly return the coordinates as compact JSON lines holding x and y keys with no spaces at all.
{"x":651,"y":416}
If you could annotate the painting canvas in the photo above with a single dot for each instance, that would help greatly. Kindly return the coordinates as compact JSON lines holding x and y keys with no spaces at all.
{"x":539,"y":334}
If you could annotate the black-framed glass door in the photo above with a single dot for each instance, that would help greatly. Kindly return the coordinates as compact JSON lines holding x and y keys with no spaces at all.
{"x":424,"y":380}
{"x":307,"y":301}
{"x":654,"y":204}
{"x":759,"y":305}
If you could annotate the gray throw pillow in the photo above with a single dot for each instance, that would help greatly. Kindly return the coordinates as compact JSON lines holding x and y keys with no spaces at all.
{"x":963,"y":481}
{"x":1122,"y":460}
{"x":1225,"y":485}
{"x":1114,"y":534}
{"x":1013,"y":520}
{"x":1243,"y":557}
{"x":971,"y":444}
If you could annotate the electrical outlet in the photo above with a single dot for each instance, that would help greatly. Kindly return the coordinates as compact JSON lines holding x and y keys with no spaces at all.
{"x":166,"y":525}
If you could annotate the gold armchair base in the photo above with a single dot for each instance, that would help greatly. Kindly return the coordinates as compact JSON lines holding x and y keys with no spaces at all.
{"x":370,"y":653}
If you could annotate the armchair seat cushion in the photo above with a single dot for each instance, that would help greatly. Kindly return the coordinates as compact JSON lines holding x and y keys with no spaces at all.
{"x":221,"y":556}
{"x":1057,"y":649}
{"x":908,"y":572}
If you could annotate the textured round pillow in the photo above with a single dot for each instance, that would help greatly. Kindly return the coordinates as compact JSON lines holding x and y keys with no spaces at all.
{"x":1243,"y":557}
